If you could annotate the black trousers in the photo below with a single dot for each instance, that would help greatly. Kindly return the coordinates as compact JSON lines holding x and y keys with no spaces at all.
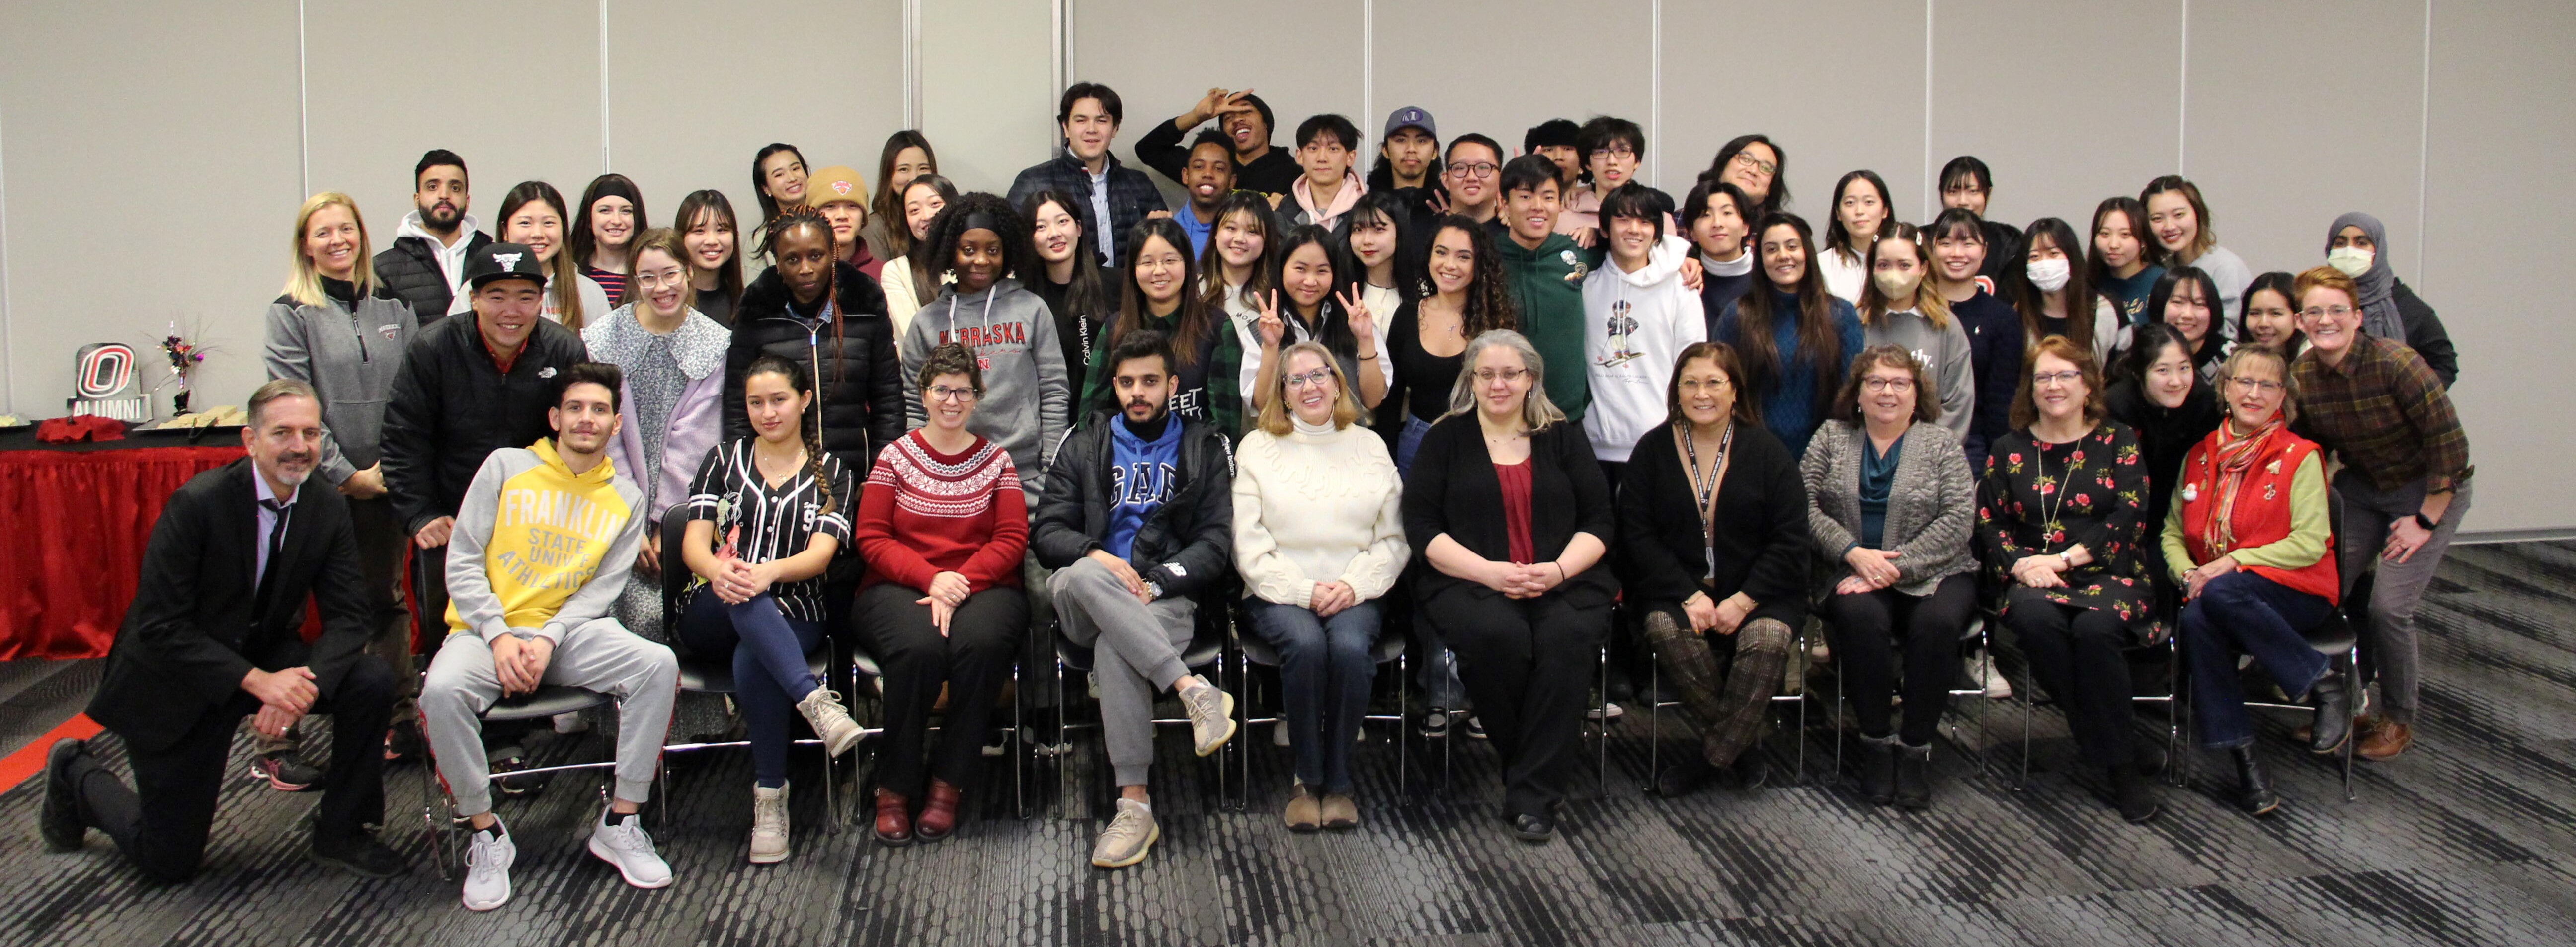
{"x":161,"y":824}
{"x":973,"y":660}
{"x":2076,"y":654}
{"x":1527,"y":664}
{"x":1864,"y":630}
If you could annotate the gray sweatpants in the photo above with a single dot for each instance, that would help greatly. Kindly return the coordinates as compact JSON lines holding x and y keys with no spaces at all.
{"x":1136,"y":652}
{"x":600,"y":655}
{"x":2388,"y":643}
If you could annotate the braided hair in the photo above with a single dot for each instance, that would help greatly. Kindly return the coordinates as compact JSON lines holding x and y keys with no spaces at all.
{"x":811,"y":434}
{"x":789,"y":218}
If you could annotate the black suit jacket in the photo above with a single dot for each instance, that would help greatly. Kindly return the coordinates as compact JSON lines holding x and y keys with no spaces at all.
{"x":192,"y":633}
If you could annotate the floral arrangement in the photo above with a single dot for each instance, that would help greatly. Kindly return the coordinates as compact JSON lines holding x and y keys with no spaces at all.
{"x":184,"y":357}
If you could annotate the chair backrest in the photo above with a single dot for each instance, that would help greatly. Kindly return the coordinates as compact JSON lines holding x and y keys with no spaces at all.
{"x":675,"y":575}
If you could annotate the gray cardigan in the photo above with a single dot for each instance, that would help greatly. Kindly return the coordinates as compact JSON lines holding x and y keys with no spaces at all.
{"x":349,"y":357}
{"x":1931,"y":505}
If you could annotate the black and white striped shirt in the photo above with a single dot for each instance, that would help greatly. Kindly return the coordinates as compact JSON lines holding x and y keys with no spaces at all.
{"x":764,"y":524}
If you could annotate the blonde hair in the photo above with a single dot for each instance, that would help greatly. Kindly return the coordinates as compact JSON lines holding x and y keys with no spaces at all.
{"x":1927,"y":300}
{"x":304,"y":283}
{"x":2228,"y":370}
{"x":1275,"y":417}
{"x":1536,"y":411}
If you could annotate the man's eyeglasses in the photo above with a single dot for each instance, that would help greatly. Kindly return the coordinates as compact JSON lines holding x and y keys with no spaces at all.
{"x":1480,"y":169}
{"x":1752,"y":163}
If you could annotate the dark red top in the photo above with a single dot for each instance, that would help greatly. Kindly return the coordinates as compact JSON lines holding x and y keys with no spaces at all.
{"x":1515,"y":479}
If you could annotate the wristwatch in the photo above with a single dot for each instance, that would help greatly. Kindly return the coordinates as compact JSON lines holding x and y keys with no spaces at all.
{"x":1154,"y":588}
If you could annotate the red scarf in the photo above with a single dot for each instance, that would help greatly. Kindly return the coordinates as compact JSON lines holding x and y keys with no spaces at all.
{"x":2233,"y":457}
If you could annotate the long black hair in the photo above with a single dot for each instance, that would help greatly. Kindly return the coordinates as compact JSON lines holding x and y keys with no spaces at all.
{"x":2213,"y":337}
{"x":760,"y":184}
{"x":1191,"y":322}
{"x":1019,"y":255}
{"x":1211,"y":263}
{"x":1374,"y":207}
{"x":811,"y":432}
{"x":888,"y":205}
{"x":712,"y":201}
{"x":1332,"y":325}
{"x":1778,"y":196}
{"x":1819,"y":340}
{"x":2284,"y":284}
{"x":1837,"y":237}
{"x":1489,"y":298}
{"x":2078,"y":292}
{"x":1084,"y":297}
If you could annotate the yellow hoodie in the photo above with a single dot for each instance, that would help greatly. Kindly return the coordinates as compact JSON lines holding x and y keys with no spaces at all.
{"x":539,"y":549}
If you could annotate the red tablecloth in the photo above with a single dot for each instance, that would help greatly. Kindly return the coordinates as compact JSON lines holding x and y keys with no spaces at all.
{"x":75,"y":523}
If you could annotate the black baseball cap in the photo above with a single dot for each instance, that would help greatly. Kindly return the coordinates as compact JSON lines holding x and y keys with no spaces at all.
{"x":500,"y":261}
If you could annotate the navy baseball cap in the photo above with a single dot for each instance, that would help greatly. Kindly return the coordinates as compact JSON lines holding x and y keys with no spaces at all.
{"x":1412,"y":117}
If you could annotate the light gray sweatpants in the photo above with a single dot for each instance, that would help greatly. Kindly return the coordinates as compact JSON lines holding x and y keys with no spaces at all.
{"x":600,"y":655}
{"x":1136,"y":652}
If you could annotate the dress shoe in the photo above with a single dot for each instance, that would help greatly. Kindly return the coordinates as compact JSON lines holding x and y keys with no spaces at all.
{"x":2382,"y":739}
{"x":1533,"y":826}
{"x":2253,"y":787}
{"x":2333,"y":722}
{"x":2133,"y":792}
{"x":939,"y":814}
{"x":1683,"y":776}
{"x":894,"y":819}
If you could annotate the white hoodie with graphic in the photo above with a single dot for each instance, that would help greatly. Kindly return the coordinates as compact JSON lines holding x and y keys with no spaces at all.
{"x":1634,"y":325}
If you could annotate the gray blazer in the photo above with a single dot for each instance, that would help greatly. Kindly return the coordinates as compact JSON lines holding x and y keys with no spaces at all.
{"x":1931,"y":506}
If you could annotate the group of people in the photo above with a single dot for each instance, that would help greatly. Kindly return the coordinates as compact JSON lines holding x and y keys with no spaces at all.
{"x":1509,"y":404}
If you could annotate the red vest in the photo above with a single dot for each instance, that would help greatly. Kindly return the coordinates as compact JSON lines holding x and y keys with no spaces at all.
{"x":2262,"y":512}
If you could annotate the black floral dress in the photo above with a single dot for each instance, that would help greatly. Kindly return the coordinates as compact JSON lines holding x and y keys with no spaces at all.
{"x":2038,"y":499}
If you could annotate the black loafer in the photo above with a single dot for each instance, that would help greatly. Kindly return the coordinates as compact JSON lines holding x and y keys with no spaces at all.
{"x":363,"y":856}
{"x":59,"y":821}
{"x":1682,"y":777}
{"x":1533,"y":827}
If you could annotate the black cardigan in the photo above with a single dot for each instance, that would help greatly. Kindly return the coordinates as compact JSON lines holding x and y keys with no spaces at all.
{"x":1763,"y":548}
{"x":1453,"y":490}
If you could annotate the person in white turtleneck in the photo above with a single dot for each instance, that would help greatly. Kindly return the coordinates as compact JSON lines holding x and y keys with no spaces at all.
{"x":1319,"y":537}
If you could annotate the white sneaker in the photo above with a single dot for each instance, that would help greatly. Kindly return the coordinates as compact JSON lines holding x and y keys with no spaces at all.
{"x":831,"y":721}
{"x":487,"y":867}
{"x":768,"y":824}
{"x":1211,"y":715}
{"x":572,"y":723}
{"x":1981,"y":669}
{"x":1610,"y":709}
{"x":623,"y":843}
{"x":1279,"y":734}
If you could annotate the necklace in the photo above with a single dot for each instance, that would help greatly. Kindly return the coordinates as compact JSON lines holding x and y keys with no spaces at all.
{"x":1705,"y":493}
{"x":2050,"y":503}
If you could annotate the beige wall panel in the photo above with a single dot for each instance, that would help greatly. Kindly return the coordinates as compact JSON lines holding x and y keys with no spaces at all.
{"x":987,"y":103}
{"x":152,"y":177}
{"x":1163,"y":55}
{"x":695,"y":89}
{"x":2498,"y":192}
{"x":2280,"y":141}
{"x":2069,"y":103}
{"x":514,"y":91}
{"x":1838,"y":84}
{"x":1500,"y":67}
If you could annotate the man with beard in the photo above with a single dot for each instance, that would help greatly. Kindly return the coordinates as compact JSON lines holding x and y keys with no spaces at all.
{"x":1243,"y":124}
{"x":1137,"y":518}
{"x":539,"y":555}
{"x":468,"y":387}
{"x":211,"y":637}
{"x":426,"y":263}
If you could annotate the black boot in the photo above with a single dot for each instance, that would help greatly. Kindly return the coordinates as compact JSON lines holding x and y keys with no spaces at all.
{"x":1914,"y":777}
{"x":2253,"y":787}
{"x":1878,"y":769}
{"x":1685,"y":774}
{"x":1751,"y":770}
{"x":2133,"y":793}
{"x":2333,"y":702}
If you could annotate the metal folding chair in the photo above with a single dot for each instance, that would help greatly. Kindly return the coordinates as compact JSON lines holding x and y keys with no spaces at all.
{"x":1207,"y":649}
{"x":1657,"y":700}
{"x":545,"y":703}
{"x":1251,"y":650}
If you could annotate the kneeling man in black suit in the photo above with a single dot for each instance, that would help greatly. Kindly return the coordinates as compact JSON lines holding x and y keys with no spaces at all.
{"x":212,"y":637}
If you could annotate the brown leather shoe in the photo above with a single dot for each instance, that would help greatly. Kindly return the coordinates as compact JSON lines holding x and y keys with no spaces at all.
{"x":1304,"y":812}
{"x":939,"y":814}
{"x":894,"y":819}
{"x":2382,"y":739}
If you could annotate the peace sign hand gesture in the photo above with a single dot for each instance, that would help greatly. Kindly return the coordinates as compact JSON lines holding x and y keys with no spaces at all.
{"x":1269,"y":326}
{"x":1363,"y":322}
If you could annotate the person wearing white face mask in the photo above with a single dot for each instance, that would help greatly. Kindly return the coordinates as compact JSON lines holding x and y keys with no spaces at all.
{"x":1895,"y":311}
{"x":2050,"y":281}
{"x":2357,"y":247}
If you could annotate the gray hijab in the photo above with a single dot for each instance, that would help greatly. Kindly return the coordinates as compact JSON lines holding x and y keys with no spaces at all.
{"x":2378,"y":285}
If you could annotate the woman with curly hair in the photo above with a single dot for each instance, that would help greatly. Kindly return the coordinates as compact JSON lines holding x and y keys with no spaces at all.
{"x":977,"y":249}
{"x":1428,"y":336}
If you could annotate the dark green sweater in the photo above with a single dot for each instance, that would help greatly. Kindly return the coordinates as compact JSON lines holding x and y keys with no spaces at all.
{"x":1547,"y":287}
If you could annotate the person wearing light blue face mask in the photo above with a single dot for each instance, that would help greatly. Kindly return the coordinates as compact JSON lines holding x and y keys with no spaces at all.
{"x":2357,"y":245}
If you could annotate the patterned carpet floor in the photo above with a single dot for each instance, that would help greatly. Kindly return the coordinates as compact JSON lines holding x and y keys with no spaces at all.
{"x":2469,"y":838}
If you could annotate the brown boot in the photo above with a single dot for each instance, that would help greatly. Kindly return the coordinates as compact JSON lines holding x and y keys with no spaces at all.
{"x":2382,"y":739}
{"x":894,"y":819}
{"x":939,"y":814}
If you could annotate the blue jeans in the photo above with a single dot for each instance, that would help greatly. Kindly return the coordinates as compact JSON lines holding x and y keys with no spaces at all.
{"x":2244,"y":612}
{"x":769,"y":670}
{"x":1324,"y":671}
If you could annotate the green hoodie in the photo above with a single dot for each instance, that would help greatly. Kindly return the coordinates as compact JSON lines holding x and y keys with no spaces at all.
{"x":1547,"y":287}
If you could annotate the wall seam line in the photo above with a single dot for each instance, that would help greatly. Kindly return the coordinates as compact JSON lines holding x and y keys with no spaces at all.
{"x":2424,"y":150}
{"x":2182,"y":95}
{"x":1930,"y":187}
{"x":303,"y":109}
{"x":8,"y":321}
{"x":605,"y":165}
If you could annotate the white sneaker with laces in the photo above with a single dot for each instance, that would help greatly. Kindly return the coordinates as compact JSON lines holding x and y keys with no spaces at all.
{"x":1981,"y":669}
{"x":768,"y":824}
{"x":831,"y":721}
{"x":1211,"y":713}
{"x":487,"y":867}
{"x":620,"y":841}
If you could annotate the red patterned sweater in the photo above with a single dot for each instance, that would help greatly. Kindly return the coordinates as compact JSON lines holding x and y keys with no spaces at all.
{"x":923,"y":513}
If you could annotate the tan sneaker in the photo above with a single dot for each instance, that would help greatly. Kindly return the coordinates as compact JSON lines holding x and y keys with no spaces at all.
{"x":830,"y":720}
{"x":1129,"y":836}
{"x":768,"y":824}
{"x":1341,"y":813}
{"x":1211,"y":715}
{"x":1303,"y":814}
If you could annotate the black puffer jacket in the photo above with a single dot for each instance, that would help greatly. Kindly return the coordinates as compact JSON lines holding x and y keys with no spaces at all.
{"x":451,"y":406}
{"x":410,"y":269}
{"x":858,"y":381}
{"x":1187,"y":546}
